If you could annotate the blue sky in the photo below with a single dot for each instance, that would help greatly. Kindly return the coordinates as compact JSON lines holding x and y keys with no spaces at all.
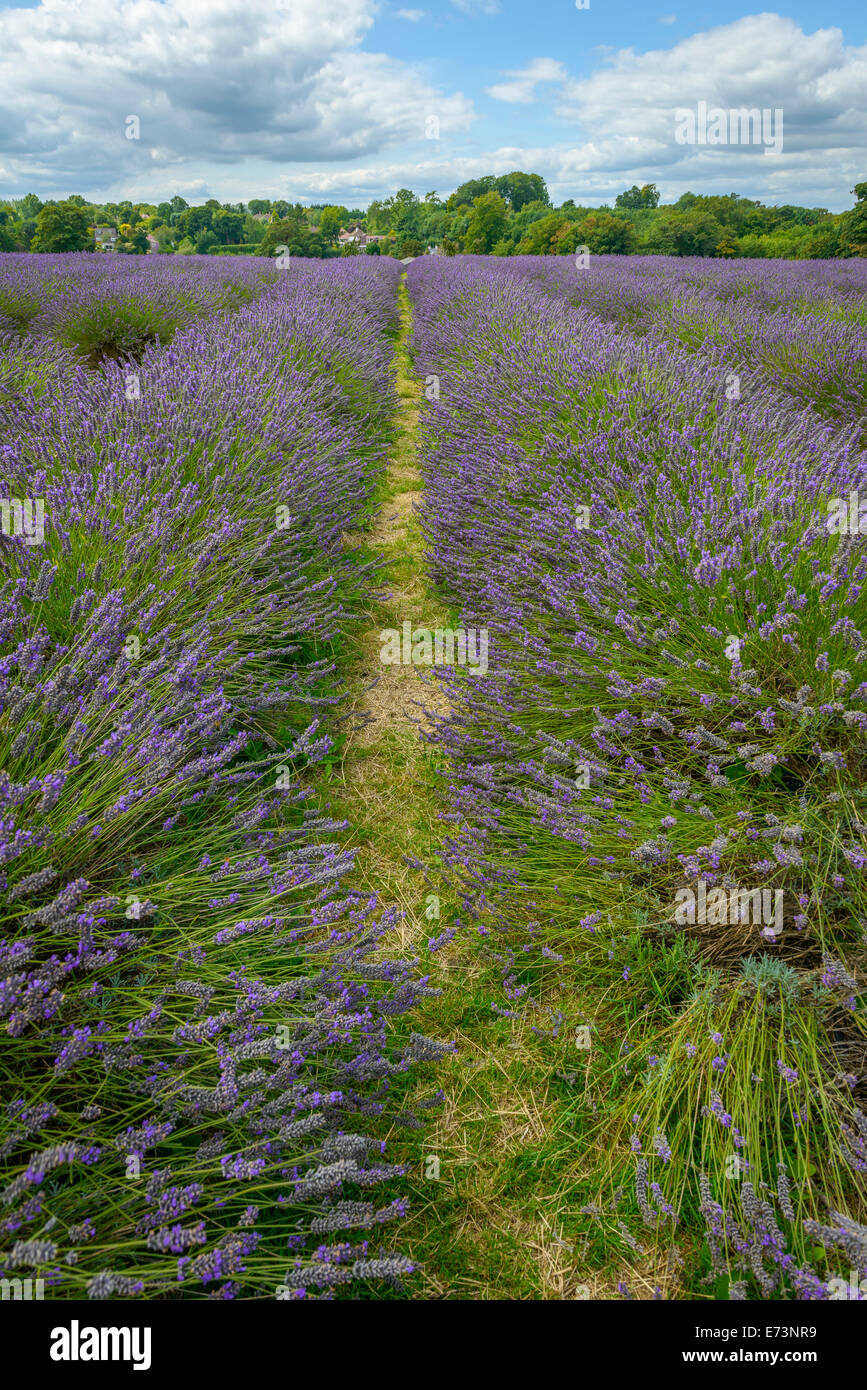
{"x":346,"y":100}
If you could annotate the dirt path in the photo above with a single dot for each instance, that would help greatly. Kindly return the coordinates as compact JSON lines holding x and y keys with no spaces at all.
{"x":384,"y":767}
{"x":497,"y":1174}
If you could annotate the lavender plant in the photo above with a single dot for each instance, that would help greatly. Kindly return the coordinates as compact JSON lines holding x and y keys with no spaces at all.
{"x":674,"y":703}
{"x":197,"y":1011}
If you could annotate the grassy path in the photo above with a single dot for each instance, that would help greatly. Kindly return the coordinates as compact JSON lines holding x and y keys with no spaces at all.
{"x":501,"y":1219}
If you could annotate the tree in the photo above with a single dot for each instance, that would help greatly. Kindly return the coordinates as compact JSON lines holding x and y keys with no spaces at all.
{"x":257,"y":206}
{"x":228,"y":227}
{"x":254,"y":230}
{"x":29,"y":207}
{"x":686,"y":234}
{"x":377,"y":217}
{"x":331,"y":219}
{"x":729,"y":209}
{"x":468,"y":192}
{"x":7,"y":240}
{"x":373,"y":248}
{"x":404,"y":212}
{"x":62,"y":227}
{"x":828,"y":240}
{"x":164,"y":236}
{"x":520,"y":189}
{"x":487,"y":223}
{"x":410,"y":246}
{"x":854,"y":223}
{"x":194,"y":221}
{"x":294,"y":233}
{"x":547,"y":236}
{"x":635,"y":197}
{"x":605,"y":235}
{"x":133,"y":240}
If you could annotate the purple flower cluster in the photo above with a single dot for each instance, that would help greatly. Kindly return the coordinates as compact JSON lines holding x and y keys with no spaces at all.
{"x":629,"y":472}
{"x":196,"y":1007}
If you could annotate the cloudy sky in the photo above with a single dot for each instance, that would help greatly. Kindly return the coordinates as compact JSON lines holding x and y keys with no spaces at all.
{"x":346,"y":100}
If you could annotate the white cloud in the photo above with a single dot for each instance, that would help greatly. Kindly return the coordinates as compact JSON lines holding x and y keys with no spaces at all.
{"x":626,"y":110}
{"x":668,"y":19}
{"x":279,"y":98}
{"x":212,"y":83}
{"x":522,"y":85}
{"x":413,"y":16}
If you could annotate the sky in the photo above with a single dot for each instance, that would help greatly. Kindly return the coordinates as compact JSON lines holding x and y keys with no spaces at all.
{"x":343,"y":101}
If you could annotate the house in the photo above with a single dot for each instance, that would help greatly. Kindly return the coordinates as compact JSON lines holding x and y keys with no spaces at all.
{"x":360,"y":238}
{"x":105,"y":238}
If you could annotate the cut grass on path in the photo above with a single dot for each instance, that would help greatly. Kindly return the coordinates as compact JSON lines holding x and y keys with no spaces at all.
{"x":502,"y":1219}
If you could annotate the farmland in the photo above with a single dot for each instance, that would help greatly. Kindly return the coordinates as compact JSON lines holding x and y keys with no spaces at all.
{"x":331,"y":970}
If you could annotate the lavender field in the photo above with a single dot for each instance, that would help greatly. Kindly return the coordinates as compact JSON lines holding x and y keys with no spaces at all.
{"x":525,"y":962}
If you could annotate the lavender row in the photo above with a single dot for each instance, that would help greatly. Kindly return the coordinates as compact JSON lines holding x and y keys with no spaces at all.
{"x":113,"y":307}
{"x":196,"y":1009}
{"x":671,"y":727}
{"x":798,"y":328}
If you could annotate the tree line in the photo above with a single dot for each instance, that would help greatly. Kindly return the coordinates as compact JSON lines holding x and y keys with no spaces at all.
{"x":506,"y":215}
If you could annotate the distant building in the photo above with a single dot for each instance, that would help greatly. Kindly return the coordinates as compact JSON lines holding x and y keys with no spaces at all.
{"x":361,"y":239}
{"x":105,"y":238}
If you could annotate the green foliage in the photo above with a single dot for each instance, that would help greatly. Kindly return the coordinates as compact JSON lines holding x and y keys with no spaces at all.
{"x":499,"y":215}
{"x":62,"y":227}
{"x":854,"y":224}
{"x":135,"y":243}
{"x":693,"y":233}
{"x":411,"y":247}
{"x":228,"y":227}
{"x":772,"y":978}
{"x":331,"y":219}
{"x":487,"y":223}
{"x":635,"y":197}
{"x":606,"y":235}
{"x":292,"y":231}
{"x":549,"y":236}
